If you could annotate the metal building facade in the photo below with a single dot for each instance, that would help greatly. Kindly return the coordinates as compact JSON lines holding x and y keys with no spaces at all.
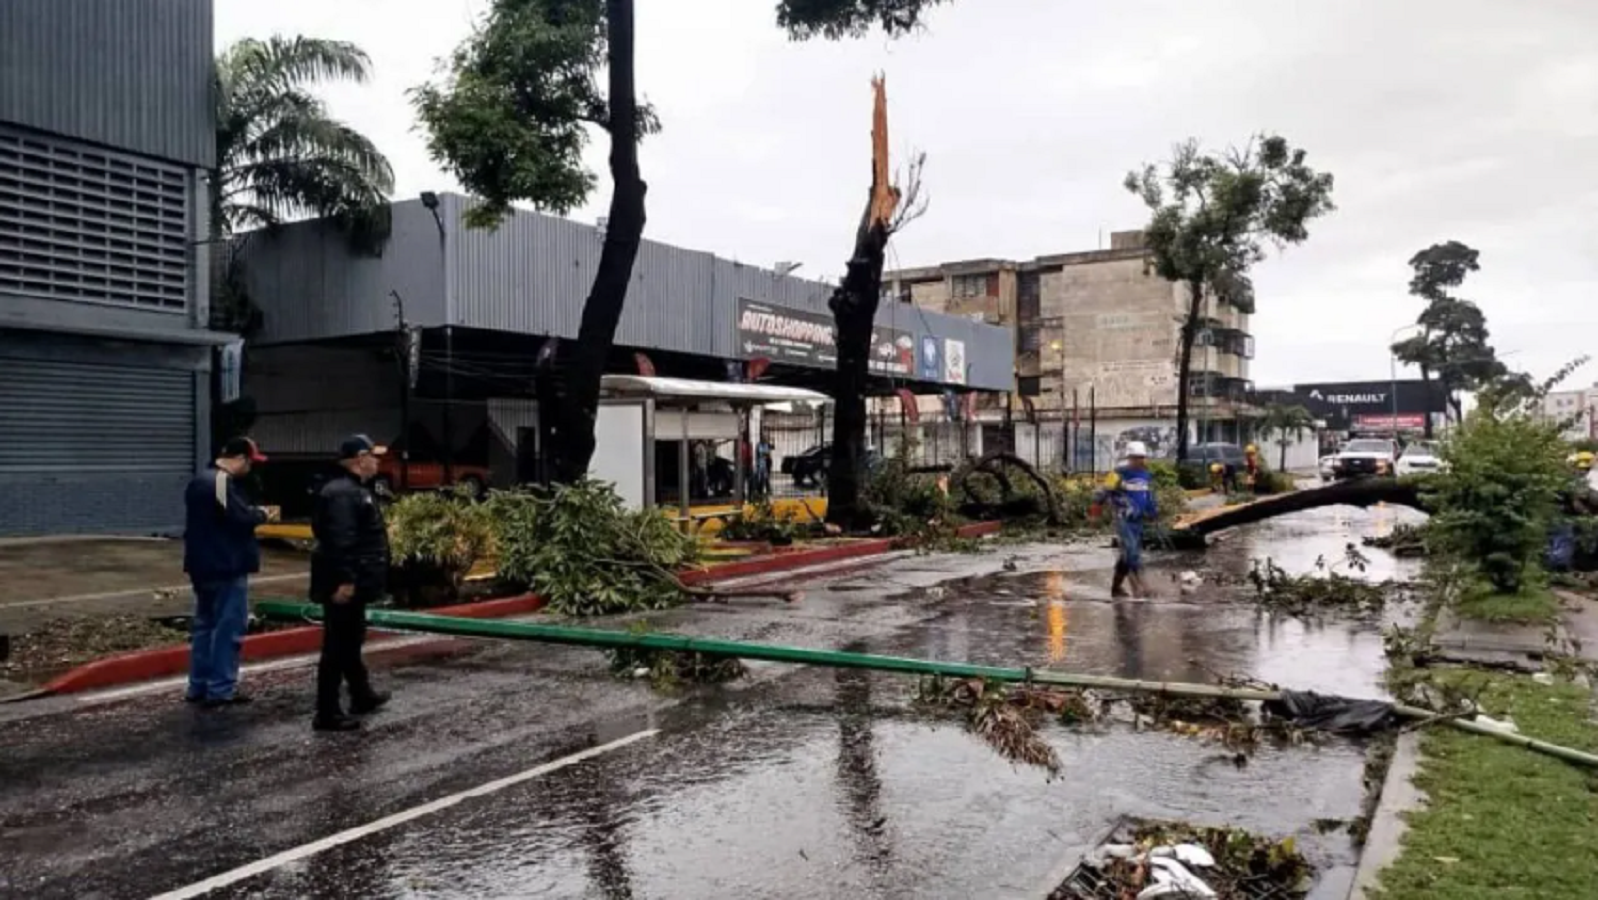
{"x":531,"y":275}
{"x":106,"y":130}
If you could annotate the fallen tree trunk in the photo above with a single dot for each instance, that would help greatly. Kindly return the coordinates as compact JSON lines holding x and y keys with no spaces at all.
{"x":1363,"y":492}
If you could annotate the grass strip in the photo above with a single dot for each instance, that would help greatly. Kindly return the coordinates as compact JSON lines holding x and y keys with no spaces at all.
{"x":1501,"y":822}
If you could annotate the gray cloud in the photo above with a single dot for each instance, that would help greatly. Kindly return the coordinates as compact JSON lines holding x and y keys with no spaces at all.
{"x":1474,"y":120}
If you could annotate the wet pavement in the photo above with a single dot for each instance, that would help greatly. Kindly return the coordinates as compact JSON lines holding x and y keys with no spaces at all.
{"x":795,"y":782}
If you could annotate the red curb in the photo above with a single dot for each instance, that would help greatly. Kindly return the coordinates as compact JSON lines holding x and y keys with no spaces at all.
{"x":165,"y":662}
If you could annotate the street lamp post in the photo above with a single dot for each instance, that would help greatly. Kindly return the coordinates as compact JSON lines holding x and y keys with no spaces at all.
{"x":1065,"y":426}
{"x":430,"y":200}
{"x":1392,"y":372}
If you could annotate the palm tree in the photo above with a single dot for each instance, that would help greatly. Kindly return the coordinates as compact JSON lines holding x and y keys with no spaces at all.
{"x":1288,"y":424}
{"x":279,"y":155}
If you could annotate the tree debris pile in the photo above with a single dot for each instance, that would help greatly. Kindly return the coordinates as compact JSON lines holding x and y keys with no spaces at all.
{"x":1008,"y":717}
{"x":1404,"y":541}
{"x":1173,"y":859}
{"x":1324,"y":590}
{"x":671,"y":669}
{"x":914,"y":506}
{"x":580,"y":549}
{"x":71,"y":640}
{"x":762,"y":523}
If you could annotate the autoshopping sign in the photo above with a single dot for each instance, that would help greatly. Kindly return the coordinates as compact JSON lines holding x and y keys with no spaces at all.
{"x":798,"y":337}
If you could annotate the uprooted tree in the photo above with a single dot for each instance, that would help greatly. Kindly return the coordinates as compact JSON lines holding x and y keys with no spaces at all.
{"x":1212,"y":216}
{"x":511,"y":119}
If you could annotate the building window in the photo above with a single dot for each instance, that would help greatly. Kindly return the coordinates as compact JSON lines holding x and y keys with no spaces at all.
{"x":968,"y":286}
{"x":1028,"y":296}
{"x":89,"y":225}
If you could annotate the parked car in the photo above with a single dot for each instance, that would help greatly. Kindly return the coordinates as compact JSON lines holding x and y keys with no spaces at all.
{"x":1419,"y":458}
{"x":809,"y":469}
{"x":427,"y":476}
{"x":1362,"y":457}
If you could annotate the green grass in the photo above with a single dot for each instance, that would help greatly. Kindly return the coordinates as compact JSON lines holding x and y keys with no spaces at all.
{"x":1503,"y":822}
{"x":1535,"y":603}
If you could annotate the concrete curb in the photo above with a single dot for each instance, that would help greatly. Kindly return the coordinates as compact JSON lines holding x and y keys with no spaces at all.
{"x":165,"y":662}
{"x":1399,"y":796}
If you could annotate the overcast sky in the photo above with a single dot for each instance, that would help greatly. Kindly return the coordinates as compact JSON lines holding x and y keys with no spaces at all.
{"x":1474,"y":120}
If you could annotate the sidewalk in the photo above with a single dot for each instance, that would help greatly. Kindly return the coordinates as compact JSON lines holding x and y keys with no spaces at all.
{"x":1519,"y":645}
{"x":44,"y":579}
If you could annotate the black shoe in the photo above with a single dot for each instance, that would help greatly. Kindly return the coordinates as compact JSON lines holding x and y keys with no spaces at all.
{"x":339,"y":722}
{"x":218,"y":702}
{"x":371,"y":704}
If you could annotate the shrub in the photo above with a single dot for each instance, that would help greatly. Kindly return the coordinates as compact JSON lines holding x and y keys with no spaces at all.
{"x":435,"y":539}
{"x":1499,"y":496}
{"x":579,"y":548}
{"x":760,"y":522}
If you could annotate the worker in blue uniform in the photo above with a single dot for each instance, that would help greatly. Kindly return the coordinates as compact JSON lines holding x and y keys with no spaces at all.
{"x":1130,"y":492}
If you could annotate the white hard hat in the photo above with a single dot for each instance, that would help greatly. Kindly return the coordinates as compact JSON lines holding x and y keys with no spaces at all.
{"x":1136,"y":448}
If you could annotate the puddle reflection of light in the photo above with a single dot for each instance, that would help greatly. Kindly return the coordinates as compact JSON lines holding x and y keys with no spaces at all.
{"x":1383,"y":520}
{"x":1054,"y":590}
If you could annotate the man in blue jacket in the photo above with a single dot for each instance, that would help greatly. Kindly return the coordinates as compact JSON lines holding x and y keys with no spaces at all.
{"x":1130,"y":492}
{"x":220,"y":554}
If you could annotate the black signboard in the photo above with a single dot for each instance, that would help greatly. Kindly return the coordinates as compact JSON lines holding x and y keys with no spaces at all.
{"x":798,"y":337}
{"x":1342,"y":403}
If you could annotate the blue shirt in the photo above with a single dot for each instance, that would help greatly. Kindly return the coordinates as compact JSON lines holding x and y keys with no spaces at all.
{"x":219,"y":529}
{"x":1131,"y":491}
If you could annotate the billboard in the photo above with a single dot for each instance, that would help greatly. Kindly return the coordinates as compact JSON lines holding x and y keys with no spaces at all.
{"x":1347,"y":404}
{"x":799,"y":337}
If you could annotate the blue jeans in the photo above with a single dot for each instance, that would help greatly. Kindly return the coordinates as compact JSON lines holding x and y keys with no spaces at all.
{"x":216,"y":635}
{"x":1129,"y":533}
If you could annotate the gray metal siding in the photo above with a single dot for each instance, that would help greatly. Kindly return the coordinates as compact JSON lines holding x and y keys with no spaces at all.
{"x":309,"y":286}
{"x":88,"y":225}
{"x":96,"y":438}
{"x":131,"y":74}
{"x":531,"y":275}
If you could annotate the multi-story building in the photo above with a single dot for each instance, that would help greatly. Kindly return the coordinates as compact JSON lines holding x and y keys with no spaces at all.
{"x":1098,"y":329}
{"x":1576,"y":409}
{"x":106,"y":137}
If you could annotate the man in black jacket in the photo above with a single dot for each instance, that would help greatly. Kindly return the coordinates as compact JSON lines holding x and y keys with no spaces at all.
{"x":349,"y":569}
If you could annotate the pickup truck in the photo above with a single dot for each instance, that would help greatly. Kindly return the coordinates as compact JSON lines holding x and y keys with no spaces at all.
{"x":1365,"y":456}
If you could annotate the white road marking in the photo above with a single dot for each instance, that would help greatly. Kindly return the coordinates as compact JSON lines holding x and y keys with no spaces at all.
{"x":138,"y":592}
{"x":200,"y":888}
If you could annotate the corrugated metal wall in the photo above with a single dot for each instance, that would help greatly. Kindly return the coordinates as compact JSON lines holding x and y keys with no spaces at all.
{"x":309,"y":285}
{"x":131,"y":74}
{"x":531,"y":276}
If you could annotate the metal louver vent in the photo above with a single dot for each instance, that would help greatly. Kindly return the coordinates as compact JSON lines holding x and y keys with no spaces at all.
{"x":83,"y":224}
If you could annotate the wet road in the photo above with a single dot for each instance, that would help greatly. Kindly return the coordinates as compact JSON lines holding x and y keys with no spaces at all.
{"x":792,"y":783}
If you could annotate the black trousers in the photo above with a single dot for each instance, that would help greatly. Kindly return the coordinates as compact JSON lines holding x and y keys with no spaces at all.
{"x":343,"y":633}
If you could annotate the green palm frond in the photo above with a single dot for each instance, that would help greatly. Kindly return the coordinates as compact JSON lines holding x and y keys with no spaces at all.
{"x":281,"y":155}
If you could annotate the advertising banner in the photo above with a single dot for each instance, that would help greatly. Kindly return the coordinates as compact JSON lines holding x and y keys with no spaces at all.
{"x":799,"y":337}
{"x":1403,"y":422}
{"x":953,"y":361}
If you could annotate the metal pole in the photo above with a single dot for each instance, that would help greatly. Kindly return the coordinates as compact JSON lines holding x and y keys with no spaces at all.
{"x":1076,"y":419}
{"x":1392,"y":366}
{"x":685,"y":502}
{"x":449,"y":397}
{"x":403,"y":345}
{"x":1093,"y":427}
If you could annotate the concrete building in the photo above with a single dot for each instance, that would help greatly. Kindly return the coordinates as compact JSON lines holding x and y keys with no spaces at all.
{"x":106,"y":135}
{"x":1576,"y":409}
{"x":482,"y":305}
{"x":1097,"y":324}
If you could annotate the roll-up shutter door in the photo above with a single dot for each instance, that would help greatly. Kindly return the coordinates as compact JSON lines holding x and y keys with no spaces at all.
{"x":92,"y":447}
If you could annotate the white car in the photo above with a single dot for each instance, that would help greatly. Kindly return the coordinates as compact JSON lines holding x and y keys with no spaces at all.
{"x":1363,"y":457}
{"x":1420,"y":458}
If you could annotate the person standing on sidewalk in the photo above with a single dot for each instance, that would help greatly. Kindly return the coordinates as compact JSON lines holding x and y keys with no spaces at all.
{"x":349,"y":569}
{"x":220,"y":553}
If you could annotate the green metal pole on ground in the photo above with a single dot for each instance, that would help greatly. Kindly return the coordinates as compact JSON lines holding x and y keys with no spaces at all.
{"x":839,"y":659}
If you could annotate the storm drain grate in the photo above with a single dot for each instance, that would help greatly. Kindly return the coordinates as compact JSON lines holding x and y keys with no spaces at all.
{"x":1088,"y":882}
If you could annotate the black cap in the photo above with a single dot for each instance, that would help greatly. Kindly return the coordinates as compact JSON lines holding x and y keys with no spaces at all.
{"x":242,"y":446}
{"x":359,"y":445}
